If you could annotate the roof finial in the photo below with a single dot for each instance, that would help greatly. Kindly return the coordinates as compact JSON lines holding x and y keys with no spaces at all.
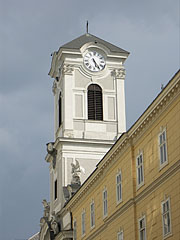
{"x":87,"y":27}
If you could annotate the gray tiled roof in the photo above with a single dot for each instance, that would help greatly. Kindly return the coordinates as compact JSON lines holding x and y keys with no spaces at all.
{"x":80,"y":41}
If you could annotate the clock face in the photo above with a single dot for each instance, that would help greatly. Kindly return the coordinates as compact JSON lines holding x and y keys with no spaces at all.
{"x":94,"y":61}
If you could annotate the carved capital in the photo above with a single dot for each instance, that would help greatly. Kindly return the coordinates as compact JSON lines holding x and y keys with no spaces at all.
{"x":67,"y":69}
{"x":119,"y":73}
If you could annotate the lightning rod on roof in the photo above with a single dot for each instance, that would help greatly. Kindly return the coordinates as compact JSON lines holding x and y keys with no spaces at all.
{"x":87,"y":27}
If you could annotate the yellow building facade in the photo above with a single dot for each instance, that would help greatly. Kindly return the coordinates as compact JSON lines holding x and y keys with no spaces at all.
{"x":134,"y":192}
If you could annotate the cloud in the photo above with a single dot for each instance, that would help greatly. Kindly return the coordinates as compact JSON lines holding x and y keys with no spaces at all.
{"x":30,"y":31}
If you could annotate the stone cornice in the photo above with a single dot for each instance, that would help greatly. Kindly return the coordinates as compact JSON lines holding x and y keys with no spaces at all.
{"x":64,"y":140}
{"x":156,"y":107}
{"x":169,"y":93}
{"x":64,"y":234}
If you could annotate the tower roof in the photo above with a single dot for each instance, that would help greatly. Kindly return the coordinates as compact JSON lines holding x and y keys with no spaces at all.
{"x":77,"y":43}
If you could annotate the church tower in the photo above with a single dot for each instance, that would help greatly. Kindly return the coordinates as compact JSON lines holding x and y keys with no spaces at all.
{"x":89,"y":109}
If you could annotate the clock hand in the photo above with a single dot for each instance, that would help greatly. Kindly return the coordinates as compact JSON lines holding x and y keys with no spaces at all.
{"x":96,"y":65}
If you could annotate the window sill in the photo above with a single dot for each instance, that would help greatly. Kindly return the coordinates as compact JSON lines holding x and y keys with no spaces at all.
{"x":83,"y":235}
{"x":92,"y":227}
{"x":168,"y":235}
{"x":163,"y":165}
{"x":139,"y":186}
{"x":105,"y":216}
{"x":118,"y":202}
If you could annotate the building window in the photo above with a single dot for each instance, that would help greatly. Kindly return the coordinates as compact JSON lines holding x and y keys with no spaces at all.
{"x":92,"y":215}
{"x":60,"y":109}
{"x":163,"y":148}
{"x":105,"y":203}
{"x":83,"y":222}
{"x":95,"y":106}
{"x":142,"y":228}
{"x":120,"y":235}
{"x":74,"y":230}
{"x":55,"y":189}
{"x":119,"y":187}
{"x":140,"y":169}
{"x":166,"y":217}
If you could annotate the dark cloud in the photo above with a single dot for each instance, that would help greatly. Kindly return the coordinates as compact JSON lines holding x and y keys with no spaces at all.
{"x":30,"y":31}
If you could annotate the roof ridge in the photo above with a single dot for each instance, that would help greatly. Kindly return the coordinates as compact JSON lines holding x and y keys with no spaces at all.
{"x":78,"y":42}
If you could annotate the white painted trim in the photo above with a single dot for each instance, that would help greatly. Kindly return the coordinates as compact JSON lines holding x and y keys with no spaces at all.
{"x":118,"y":201}
{"x":92,"y":226}
{"x":163,"y":202}
{"x":104,"y":215}
{"x":142,"y":183}
{"x":143,"y":217}
{"x":161,"y":166}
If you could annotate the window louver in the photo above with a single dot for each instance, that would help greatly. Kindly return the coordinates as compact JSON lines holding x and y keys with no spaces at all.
{"x":95,"y":108}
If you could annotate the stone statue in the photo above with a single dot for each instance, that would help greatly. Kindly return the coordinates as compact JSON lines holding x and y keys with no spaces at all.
{"x":76,"y":171}
{"x":54,"y":223}
{"x":46,"y":208}
{"x":75,"y":167}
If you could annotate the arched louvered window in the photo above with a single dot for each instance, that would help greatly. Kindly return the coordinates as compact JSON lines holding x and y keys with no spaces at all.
{"x":95,"y":107}
{"x":60,"y":109}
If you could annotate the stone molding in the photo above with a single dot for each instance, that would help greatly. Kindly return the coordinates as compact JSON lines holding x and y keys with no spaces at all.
{"x":169,"y":93}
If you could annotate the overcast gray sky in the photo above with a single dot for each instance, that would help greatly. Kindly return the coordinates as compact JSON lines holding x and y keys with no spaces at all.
{"x":29,"y":32}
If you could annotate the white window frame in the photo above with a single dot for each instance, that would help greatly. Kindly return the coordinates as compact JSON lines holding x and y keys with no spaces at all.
{"x":162,"y":140}
{"x":120,"y":235}
{"x":74,"y":229}
{"x":105,"y":203}
{"x":165,"y":213}
{"x":142,"y":229}
{"x":140,"y":169}
{"x":119,"y":187}
{"x":92,"y":214}
{"x":83,"y":222}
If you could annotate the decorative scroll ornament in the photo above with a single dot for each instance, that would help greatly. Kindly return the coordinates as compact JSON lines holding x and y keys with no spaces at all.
{"x":119,"y":73}
{"x":67,"y":69}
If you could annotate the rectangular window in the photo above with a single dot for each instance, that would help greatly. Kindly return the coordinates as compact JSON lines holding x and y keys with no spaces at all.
{"x":55,"y":189}
{"x":74,"y":230}
{"x":140,"y":169}
{"x":142,"y":228}
{"x":92,"y":215}
{"x":120,"y":236}
{"x":166,"y":217}
{"x":119,"y":187}
{"x":163,"y":148}
{"x":83,"y":222}
{"x":105,"y":203}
